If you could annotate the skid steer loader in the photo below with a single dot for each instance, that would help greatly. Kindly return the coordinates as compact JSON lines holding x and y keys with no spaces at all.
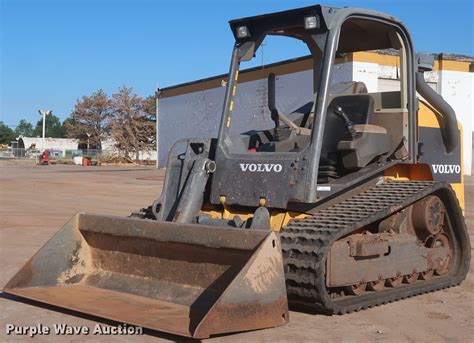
{"x":335,"y":208}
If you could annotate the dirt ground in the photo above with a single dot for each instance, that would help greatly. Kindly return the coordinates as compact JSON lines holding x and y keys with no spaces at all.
{"x":35,"y":201}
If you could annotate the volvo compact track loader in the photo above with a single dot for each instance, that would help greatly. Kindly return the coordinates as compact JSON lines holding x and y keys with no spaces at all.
{"x":334,"y":208}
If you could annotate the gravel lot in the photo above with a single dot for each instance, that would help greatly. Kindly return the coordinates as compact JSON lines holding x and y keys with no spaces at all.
{"x":37,"y":200}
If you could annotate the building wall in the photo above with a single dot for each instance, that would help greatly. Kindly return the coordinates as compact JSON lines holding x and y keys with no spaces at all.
{"x":59,"y":144}
{"x":196,"y":113}
{"x":457,"y":89}
{"x":108,"y":146}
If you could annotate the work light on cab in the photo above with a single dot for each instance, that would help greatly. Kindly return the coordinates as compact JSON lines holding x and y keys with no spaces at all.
{"x":243,"y":32}
{"x":311,"y":22}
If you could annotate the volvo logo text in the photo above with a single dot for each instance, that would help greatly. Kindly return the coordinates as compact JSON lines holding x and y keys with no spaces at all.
{"x":446,"y":168}
{"x":261,"y":167}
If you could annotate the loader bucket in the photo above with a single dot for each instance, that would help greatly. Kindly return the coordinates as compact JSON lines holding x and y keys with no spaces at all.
{"x":184,"y":279}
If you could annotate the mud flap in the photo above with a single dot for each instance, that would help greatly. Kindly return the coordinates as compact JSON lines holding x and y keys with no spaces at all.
{"x":184,"y":279}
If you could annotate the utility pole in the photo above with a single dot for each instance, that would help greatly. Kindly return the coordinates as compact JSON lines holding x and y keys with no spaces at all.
{"x":88,"y":137}
{"x":44,"y":114}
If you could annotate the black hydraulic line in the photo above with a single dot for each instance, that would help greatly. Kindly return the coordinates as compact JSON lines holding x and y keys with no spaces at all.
{"x":272,"y":105}
{"x":192,"y":195}
{"x":450,"y":130}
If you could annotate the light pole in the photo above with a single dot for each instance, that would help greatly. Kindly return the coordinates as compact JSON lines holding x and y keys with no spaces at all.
{"x":44,"y":114}
{"x":88,"y":137}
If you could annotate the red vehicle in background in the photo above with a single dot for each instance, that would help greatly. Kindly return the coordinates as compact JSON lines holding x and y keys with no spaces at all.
{"x":44,"y":159}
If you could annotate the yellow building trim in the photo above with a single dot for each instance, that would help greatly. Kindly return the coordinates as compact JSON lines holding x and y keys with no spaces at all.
{"x":394,"y":61}
{"x":290,"y":67}
{"x":303,"y":64}
{"x":373,"y":57}
{"x":450,"y":65}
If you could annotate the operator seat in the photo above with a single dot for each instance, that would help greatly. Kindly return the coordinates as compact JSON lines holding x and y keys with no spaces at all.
{"x":351,"y":151}
{"x":357,"y":108}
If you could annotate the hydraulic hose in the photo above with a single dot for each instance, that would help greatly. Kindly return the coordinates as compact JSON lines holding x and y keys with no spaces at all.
{"x":450,"y":130}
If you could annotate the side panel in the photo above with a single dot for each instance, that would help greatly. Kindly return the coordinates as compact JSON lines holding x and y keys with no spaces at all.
{"x":433,"y":161}
{"x":444,"y":167}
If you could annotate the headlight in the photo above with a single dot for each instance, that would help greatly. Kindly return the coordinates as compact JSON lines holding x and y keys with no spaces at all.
{"x":243,"y":32}
{"x":311,"y":22}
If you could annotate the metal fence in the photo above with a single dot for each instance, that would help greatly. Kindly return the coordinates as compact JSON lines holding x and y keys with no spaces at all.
{"x":58,"y":155}
{"x":61,"y":156}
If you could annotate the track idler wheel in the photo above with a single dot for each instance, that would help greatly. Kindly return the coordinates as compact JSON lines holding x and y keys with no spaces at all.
{"x":428,"y":216}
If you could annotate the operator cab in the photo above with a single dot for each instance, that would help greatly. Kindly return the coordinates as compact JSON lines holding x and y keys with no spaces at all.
{"x":354,"y":135}
{"x":329,"y":123}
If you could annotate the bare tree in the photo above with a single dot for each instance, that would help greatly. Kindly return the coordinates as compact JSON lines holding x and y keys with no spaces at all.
{"x":130,"y":125}
{"x":90,"y":117}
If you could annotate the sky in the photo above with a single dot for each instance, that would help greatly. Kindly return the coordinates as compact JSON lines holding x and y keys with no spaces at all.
{"x":53,"y":52}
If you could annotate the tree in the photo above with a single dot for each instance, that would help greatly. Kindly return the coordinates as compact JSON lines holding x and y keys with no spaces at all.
{"x":150,"y":110}
{"x":90,"y":116}
{"x":54,"y":128}
{"x":6,"y":134}
{"x":130,"y":124}
{"x":150,"y":107}
{"x":24,"y":128}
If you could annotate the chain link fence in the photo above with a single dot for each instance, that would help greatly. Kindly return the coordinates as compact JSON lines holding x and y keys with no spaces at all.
{"x":60,"y":156}
{"x":57,"y":155}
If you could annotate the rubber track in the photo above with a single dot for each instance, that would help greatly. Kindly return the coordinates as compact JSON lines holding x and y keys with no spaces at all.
{"x":306,"y":242}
